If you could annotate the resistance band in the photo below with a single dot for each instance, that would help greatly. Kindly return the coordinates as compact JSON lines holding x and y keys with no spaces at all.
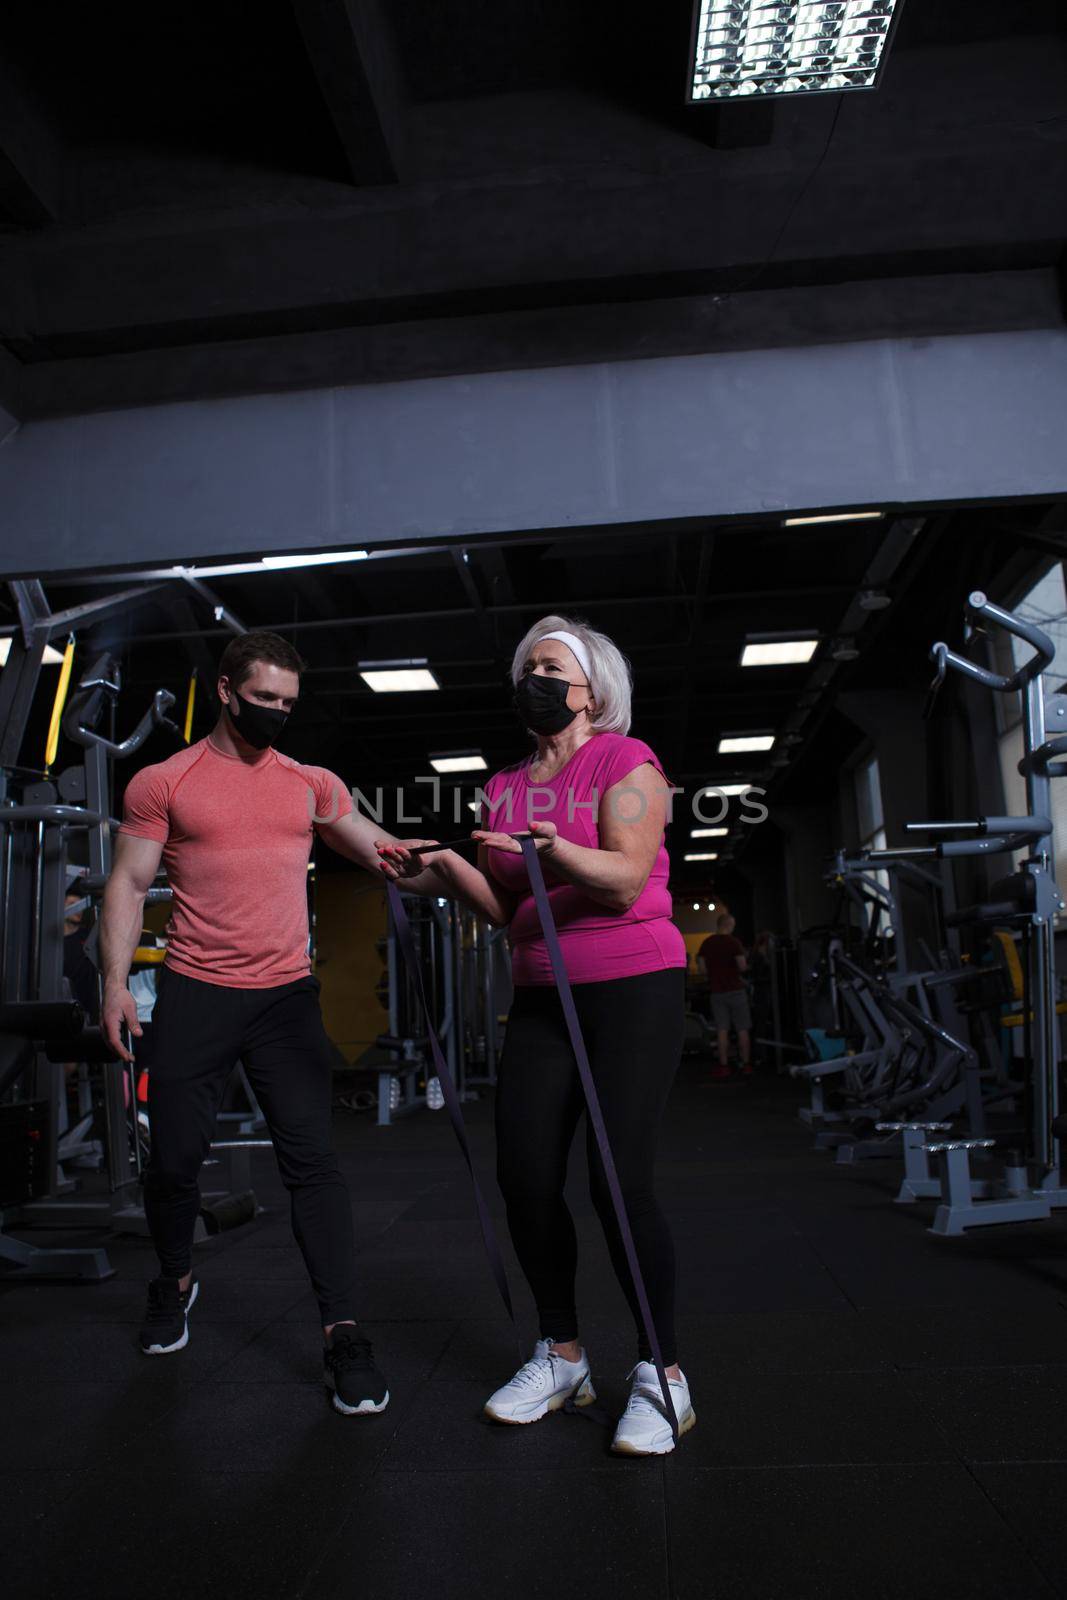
{"x":592,"y":1101}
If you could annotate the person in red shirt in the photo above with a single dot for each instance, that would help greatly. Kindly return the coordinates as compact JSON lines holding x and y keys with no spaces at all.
{"x":722,"y":957}
{"x":233,"y":822}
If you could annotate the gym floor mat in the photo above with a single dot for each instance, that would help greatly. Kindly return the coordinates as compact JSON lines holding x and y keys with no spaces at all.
{"x":879,"y":1411}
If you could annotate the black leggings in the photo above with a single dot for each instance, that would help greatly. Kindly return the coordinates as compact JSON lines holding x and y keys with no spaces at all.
{"x":633,"y":1029}
{"x":200,"y":1030}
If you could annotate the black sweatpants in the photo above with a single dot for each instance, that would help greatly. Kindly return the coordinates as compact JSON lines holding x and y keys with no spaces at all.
{"x":633,"y":1030}
{"x":200,"y":1030}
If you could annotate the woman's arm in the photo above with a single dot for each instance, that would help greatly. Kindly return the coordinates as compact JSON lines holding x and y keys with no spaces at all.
{"x":449,"y":873}
{"x":477,"y":887}
{"x":357,"y":839}
{"x":631,"y":827}
{"x":445,"y":872}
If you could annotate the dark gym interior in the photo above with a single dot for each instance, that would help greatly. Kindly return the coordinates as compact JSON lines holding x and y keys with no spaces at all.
{"x":735,"y":333}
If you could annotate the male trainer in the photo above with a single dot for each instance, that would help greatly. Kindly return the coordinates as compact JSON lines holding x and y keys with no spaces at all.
{"x":233,"y":821}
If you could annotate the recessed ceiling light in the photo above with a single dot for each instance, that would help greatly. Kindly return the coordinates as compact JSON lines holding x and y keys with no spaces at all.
{"x":696,"y":905}
{"x":730,"y":788}
{"x":708,"y":833}
{"x":473,"y":805}
{"x":469,"y":761}
{"x":736,"y":743}
{"x":711,"y":905}
{"x":833,"y":516}
{"x":397,"y":677}
{"x":781,"y":650}
{"x":746,"y":48}
{"x":51,"y":657}
{"x":704,"y":855}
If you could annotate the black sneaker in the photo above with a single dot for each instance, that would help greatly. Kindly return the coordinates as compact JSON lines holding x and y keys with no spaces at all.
{"x":358,"y":1387}
{"x":166,"y":1321}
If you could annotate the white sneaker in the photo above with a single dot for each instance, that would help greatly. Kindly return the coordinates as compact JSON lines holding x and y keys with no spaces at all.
{"x":545,"y":1383}
{"x":644,"y":1428}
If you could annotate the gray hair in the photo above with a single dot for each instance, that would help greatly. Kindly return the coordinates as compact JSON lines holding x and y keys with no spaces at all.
{"x":610,"y":678}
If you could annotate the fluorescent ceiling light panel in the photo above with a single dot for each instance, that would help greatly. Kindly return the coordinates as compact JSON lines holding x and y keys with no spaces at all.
{"x":399,"y":680}
{"x":327,"y":559}
{"x":51,"y":657}
{"x":471,"y":762}
{"x":735,"y":744}
{"x":747,"y":48}
{"x":786,"y":652}
{"x":264,"y":564}
{"x":731,"y":788}
{"x":703,"y":855}
{"x":834,"y":516}
{"x":708,"y":833}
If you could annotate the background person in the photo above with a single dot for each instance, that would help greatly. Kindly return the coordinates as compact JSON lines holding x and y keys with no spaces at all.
{"x":78,"y":969}
{"x":83,"y":985}
{"x":722,"y":957}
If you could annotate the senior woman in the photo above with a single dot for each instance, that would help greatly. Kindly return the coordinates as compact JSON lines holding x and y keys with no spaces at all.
{"x":596,"y":801}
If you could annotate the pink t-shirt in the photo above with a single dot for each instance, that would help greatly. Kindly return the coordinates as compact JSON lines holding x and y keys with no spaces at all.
{"x":236,"y":839}
{"x":597,"y":943}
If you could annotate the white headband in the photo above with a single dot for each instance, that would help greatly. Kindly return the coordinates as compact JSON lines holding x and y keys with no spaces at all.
{"x":578,"y":649}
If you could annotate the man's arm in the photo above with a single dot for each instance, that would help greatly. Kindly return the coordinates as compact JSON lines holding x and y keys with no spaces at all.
{"x":356,"y":838}
{"x":446,"y":872}
{"x":132,"y":875}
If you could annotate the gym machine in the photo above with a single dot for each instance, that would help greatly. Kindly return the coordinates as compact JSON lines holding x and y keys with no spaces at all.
{"x":1027,"y":1184}
{"x":909,"y":1051}
{"x":463,"y":962}
{"x":42,"y":819}
{"x":40,"y":1026}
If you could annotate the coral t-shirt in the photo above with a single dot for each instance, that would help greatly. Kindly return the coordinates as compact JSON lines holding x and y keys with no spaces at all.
{"x":236,"y":839}
{"x":597,"y":943}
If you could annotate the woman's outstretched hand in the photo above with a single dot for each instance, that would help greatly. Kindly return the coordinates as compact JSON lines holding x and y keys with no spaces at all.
{"x":545,"y":835}
{"x":401,"y":860}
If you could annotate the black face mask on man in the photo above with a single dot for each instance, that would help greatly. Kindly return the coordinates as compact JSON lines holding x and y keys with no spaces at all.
{"x":257,"y":725}
{"x":542,"y":703}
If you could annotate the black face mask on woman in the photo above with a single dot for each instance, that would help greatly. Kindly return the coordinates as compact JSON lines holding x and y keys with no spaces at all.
{"x":257,"y":725}
{"x":542,"y":703}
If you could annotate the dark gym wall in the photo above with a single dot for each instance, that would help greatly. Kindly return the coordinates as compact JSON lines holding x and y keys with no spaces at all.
{"x":893,"y":722}
{"x":810,"y":833}
{"x":763,"y":867}
{"x":757,"y":432}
